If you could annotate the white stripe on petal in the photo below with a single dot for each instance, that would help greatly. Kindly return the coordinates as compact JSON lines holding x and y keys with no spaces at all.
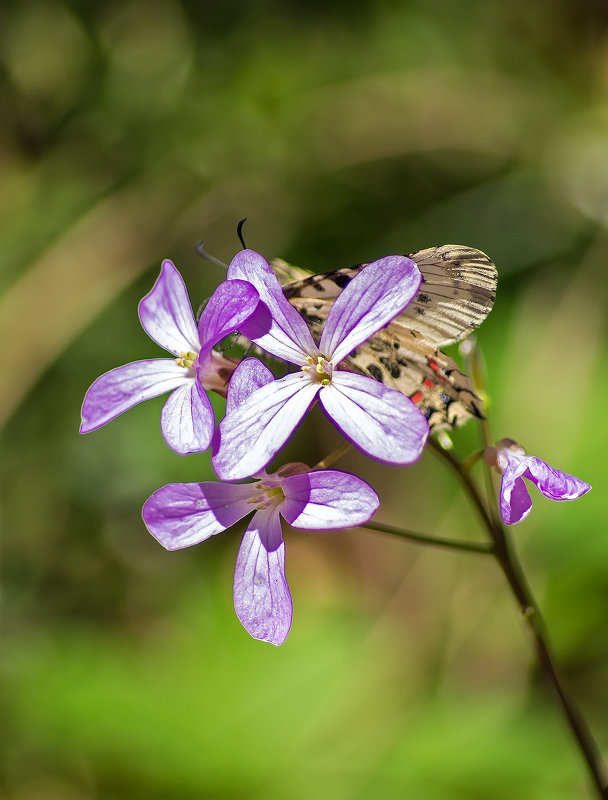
{"x":183,"y":514}
{"x":377,"y":294}
{"x":326,"y":499}
{"x":166,"y":315}
{"x":124,"y":387}
{"x":187,"y":420}
{"x":276,"y":326}
{"x":262,"y":600}
{"x":381,"y":422}
{"x":246,"y":378}
{"x":253,"y":432}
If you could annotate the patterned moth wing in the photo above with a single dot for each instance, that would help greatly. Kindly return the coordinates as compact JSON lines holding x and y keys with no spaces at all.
{"x":456,"y":295}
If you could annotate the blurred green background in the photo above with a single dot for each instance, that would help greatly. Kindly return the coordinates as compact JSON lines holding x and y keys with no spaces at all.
{"x":344,"y":131}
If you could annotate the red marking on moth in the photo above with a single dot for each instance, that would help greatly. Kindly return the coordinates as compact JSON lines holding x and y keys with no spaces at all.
{"x":428,"y":383}
{"x":416,"y":397}
{"x":433,"y":365}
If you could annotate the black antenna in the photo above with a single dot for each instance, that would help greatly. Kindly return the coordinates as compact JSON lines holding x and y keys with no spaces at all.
{"x":239,"y":231}
{"x":200,"y":251}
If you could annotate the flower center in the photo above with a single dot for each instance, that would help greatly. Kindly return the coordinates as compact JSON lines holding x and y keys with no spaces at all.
{"x":319,"y":372}
{"x":267,"y":495}
{"x":186,"y":360}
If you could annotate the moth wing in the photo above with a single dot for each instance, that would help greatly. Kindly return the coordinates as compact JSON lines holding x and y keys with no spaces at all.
{"x":409,"y":363}
{"x":288,"y":273}
{"x":456,"y":295}
{"x":404,"y":360}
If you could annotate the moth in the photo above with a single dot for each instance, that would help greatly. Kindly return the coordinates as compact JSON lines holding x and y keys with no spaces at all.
{"x":457,"y":293}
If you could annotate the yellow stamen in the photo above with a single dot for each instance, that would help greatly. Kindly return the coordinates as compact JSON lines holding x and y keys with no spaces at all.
{"x":186,"y":360}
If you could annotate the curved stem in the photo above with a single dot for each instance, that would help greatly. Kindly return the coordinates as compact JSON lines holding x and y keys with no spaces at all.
{"x":512,"y":569}
{"x":333,"y":457}
{"x":467,"y":482}
{"x":421,"y":538}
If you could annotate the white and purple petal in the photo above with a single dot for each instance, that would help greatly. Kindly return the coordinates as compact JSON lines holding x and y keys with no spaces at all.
{"x":183,"y":514}
{"x":228,"y":307}
{"x":124,"y":387}
{"x":187,"y":421}
{"x":326,"y":499}
{"x":515,"y":501}
{"x":249,"y":436}
{"x":381,"y":422}
{"x":250,"y":375}
{"x":377,"y":294}
{"x":166,"y":315}
{"x":275,"y":326}
{"x":553,"y":483}
{"x":262,"y":600}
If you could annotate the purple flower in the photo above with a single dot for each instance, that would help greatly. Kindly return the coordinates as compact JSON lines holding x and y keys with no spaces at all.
{"x":380,"y":421}
{"x":181,"y":515}
{"x":511,"y":460}
{"x":187,"y":420}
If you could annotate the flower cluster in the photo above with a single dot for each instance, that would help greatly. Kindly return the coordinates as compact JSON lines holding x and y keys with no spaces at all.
{"x":262,"y":414}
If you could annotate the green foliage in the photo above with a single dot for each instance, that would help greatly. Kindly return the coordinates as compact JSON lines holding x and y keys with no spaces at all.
{"x":343,"y":131}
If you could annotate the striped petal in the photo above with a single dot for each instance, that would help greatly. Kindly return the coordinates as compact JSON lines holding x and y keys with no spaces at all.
{"x":377,"y":294}
{"x":183,"y":514}
{"x":275,"y":326}
{"x":124,"y":387}
{"x":166,"y":315}
{"x":228,"y":307}
{"x":381,"y":422}
{"x":187,"y":420}
{"x":262,"y":600}
{"x":249,"y":436}
{"x":326,"y":499}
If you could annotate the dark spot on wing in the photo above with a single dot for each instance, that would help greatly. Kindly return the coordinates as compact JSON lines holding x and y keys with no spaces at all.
{"x":341,"y":280}
{"x":392,"y":366}
{"x":375,"y":372}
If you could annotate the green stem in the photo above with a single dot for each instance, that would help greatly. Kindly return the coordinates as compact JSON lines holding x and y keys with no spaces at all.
{"x":421,"y":538}
{"x":333,"y":457}
{"x":512,"y":569}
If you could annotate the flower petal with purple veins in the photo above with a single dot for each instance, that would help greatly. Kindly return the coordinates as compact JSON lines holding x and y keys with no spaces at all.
{"x":122,"y":388}
{"x":250,"y":436}
{"x":381,"y":422}
{"x":228,"y":307}
{"x":515,"y":465}
{"x":166,"y":314}
{"x":553,"y":483}
{"x":276,"y":326}
{"x":250,"y":375}
{"x":377,"y":294}
{"x":184,"y":514}
{"x":327,"y":499}
{"x":187,"y":419}
{"x":261,"y":595}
